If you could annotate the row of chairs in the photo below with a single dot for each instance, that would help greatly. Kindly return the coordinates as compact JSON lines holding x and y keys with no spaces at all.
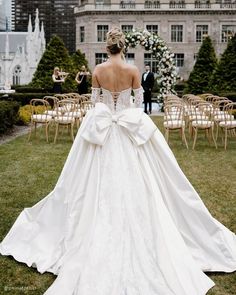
{"x":199,"y":113}
{"x":61,"y":110}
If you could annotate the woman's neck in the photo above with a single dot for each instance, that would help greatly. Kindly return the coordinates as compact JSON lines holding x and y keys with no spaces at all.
{"x":116,"y":58}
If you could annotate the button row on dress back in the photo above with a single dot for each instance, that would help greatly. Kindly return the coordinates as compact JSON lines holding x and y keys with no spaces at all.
{"x":115,"y":98}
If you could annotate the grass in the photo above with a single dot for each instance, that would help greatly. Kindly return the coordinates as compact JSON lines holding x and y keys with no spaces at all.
{"x":29,"y":171}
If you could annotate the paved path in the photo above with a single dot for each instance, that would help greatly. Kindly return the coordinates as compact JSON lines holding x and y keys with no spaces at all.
{"x":15,"y":132}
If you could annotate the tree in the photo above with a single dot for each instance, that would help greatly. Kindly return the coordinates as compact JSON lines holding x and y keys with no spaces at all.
{"x":55,"y":55}
{"x":224,"y":77}
{"x":199,"y":78}
{"x":78,"y":60}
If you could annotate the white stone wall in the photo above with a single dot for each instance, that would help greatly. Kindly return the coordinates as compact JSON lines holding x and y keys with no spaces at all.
{"x":89,"y":17}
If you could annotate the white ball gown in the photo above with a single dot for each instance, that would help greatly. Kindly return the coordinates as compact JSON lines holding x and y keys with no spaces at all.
{"x":122,"y":219}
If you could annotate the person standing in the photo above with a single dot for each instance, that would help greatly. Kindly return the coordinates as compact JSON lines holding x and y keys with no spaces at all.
{"x":147,"y":84}
{"x":81,"y":79}
{"x":58,"y":80}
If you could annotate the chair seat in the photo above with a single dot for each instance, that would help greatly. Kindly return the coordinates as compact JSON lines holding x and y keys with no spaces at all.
{"x":52,"y":113}
{"x":64,"y":119}
{"x":41,"y":118}
{"x":223,"y":117}
{"x":198,"y":117}
{"x":76,"y":114}
{"x":202,"y":124}
{"x":174,"y":124}
{"x":172,"y":117}
{"x":230,"y":124}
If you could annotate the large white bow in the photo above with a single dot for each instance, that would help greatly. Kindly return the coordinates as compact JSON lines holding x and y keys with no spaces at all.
{"x":98,"y":125}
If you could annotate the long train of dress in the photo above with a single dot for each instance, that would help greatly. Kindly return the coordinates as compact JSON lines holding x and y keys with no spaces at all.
{"x":122,"y":219}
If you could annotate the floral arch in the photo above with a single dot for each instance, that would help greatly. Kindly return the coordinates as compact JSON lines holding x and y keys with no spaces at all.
{"x":167,"y":75}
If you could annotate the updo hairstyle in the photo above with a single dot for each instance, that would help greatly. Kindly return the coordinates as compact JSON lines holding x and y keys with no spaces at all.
{"x":115,"y":41}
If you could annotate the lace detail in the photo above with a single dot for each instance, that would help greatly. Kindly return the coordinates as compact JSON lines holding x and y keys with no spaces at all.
{"x":117,"y":101}
{"x":96,"y":95}
{"x":138,"y":97}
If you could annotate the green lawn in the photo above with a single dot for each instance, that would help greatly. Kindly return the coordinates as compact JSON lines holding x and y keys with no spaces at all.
{"x":29,"y":171}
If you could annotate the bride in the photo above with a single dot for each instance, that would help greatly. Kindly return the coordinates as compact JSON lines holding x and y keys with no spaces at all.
{"x":122,"y":219}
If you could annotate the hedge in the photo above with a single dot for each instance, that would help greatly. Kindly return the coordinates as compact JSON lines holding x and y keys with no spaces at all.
{"x":8,"y":115}
{"x":25,"y":98}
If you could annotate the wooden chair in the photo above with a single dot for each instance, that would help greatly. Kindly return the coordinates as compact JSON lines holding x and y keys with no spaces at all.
{"x":85,"y":106}
{"x":202,"y":121}
{"x":65,"y":116}
{"x":174,"y":120}
{"x":39,"y":115}
{"x":53,"y":101}
{"x":229,"y":123}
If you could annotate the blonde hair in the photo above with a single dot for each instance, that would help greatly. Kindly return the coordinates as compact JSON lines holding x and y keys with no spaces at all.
{"x":115,"y":40}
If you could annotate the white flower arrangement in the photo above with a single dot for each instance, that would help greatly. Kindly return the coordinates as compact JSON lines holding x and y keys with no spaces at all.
{"x":155,"y":45}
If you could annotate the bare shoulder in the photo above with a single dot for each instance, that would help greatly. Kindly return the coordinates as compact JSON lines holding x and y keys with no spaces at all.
{"x":132,"y":69}
{"x":99,"y":67}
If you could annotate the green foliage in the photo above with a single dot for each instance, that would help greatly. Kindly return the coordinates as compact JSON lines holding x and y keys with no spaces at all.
{"x":78,"y":60}
{"x":8,"y":115}
{"x":55,"y":55}
{"x":25,"y":98}
{"x":224,"y":77}
{"x":199,"y":78}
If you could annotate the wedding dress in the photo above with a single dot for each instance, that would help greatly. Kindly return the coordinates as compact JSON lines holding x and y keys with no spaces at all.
{"x":122,"y":219}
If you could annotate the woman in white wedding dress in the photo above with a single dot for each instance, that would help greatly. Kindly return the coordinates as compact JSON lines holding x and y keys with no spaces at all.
{"x":122,"y":219}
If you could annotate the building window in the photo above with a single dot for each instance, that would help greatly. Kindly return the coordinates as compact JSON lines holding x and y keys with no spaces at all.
{"x":151,"y":61}
{"x":127,"y":4}
{"x":177,"y":4}
{"x":81,"y":34}
{"x":227,"y":32}
{"x":152,"y":29}
{"x":201,"y":32}
{"x":176,"y":33}
{"x":179,"y":60}
{"x":130,"y":57}
{"x":16,"y":75}
{"x":102,"y":31}
{"x":127,"y":28}
{"x":100,"y":57}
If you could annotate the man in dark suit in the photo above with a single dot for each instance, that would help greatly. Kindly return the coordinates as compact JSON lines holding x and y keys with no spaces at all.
{"x":147,"y":84}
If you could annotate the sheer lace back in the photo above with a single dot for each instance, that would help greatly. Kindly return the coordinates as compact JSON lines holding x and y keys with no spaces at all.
{"x":117,"y":101}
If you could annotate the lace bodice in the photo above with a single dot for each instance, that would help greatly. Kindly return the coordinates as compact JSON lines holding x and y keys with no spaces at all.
{"x":117,"y":101}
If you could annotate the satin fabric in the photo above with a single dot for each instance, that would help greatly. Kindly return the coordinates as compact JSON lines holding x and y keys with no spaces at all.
{"x":122,"y":219}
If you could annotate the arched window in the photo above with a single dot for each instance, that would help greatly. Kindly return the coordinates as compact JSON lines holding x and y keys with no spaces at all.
{"x":16,"y":75}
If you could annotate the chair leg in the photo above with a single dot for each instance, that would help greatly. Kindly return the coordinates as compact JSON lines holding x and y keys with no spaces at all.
{"x":217,"y":130}
{"x":226,"y":134}
{"x":213,"y":136}
{"x":184,"y":137}
{"x":195,"y":137}
{"x":31,"y":127}
{"x":72,"y":131}
{"x":56,"y":133}
{"x":35,"y":127}
{"x":46,"y":129}
{"x":208,"y":135}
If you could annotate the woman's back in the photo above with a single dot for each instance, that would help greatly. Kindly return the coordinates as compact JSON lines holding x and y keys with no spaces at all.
{"x":115,"y":75}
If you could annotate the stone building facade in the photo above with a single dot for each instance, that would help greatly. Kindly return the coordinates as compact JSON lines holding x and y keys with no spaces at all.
{"x":20,"y":53}
{"x":182,"y":25}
